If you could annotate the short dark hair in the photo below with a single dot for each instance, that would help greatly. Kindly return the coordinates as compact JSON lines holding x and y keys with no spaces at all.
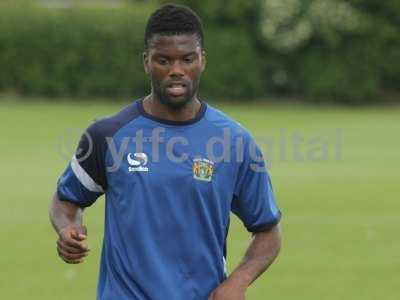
{"x":172,"y":19}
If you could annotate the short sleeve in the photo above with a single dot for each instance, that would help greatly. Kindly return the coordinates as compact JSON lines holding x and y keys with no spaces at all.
{"x":254,"y":201}
{"x":84,"y":179}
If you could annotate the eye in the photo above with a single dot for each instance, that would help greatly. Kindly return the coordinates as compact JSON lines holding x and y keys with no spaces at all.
{"x":162,"y":61}
{"x":188,"y":59}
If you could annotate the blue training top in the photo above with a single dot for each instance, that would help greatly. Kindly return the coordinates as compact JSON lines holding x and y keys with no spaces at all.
{"x":170,"y":187}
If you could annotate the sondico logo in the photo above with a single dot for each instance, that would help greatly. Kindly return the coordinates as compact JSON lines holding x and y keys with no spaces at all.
{"x":138,"y":163}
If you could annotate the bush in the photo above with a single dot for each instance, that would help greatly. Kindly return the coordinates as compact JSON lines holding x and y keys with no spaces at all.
{"x":281,"y":51}
{"x":82,"y":52}
{"x":232,"y":12}
{"x":72,"y":52}
{"x":331,"y":49}
{"x":233,"y":65}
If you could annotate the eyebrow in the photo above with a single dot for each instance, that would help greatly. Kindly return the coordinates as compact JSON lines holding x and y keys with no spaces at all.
{"x":160,"y":54}
{"x":190,"y":53}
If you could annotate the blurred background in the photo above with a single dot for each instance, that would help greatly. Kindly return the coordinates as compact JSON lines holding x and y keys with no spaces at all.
{"x":317,"y":82}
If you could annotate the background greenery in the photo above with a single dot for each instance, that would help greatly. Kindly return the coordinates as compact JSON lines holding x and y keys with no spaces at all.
{"x":319,"y":50}
{"x":340,"y":223}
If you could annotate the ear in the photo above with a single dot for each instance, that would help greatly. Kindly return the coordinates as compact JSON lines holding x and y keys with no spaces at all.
{"x":146,"y":62}
{"x":203,"y":60}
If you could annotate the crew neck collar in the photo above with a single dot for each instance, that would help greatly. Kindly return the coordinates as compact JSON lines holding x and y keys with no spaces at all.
{"x":197,"y":118}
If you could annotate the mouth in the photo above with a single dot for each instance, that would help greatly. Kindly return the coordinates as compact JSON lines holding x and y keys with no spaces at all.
{"x":176,"y":89}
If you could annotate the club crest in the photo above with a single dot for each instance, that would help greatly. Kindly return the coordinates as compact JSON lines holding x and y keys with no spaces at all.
{"x":203,"y":169}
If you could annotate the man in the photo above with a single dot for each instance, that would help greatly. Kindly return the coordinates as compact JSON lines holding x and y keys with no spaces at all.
{"x":172,"y":168}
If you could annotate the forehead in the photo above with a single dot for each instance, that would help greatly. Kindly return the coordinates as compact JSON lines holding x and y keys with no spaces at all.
{"x":174,"y":44}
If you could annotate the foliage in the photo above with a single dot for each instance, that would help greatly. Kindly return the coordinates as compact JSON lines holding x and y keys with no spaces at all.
{"x":333,"y":48}
{"x":84,"y":52}
{"x":340,"y":50}
{"x":226,"y":12}
{"x":71,"y":52}
{"x":233,"y":65}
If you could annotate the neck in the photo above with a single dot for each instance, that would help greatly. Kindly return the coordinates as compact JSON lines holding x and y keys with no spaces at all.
{"x":154,"y":107}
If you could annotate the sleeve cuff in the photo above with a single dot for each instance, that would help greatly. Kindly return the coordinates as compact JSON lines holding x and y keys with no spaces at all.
{"x":61,"y":197}
{"x":266,"y":226}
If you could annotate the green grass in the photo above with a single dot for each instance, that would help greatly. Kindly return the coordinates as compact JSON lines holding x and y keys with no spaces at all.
{"x":341,"y":216}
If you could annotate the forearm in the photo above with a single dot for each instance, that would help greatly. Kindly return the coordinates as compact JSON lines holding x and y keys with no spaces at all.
{"x":263,"y":250}
{"x":63,"y":214}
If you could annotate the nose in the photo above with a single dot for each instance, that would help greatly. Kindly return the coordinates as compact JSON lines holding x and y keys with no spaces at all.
{"x":176,"y":70}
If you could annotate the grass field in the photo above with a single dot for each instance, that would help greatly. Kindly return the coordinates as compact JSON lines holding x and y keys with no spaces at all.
{"x":339,"y":192}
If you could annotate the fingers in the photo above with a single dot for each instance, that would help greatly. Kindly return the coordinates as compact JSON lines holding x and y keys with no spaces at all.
{"x":78,"y":233}
{"x":61,"y":244}
{"x":74,"y":243}
{"x":78,"y":236}
{"x":71,"y":255}
{"x":70,"y":245}
{"x":71,"y":251}
{"x":71,"y":258}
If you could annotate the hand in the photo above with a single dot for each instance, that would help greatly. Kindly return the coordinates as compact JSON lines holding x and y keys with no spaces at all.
{"x":228,"y":290}
{"x":70,"y":245}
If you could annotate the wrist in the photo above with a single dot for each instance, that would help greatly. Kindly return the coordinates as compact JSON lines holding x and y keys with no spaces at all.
{"x":68,"y":227}
{"x":63,"y":229}
{"x":239,"y":280}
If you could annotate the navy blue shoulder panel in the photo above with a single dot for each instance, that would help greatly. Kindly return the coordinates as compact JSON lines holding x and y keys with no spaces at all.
{"x":92,"y":146}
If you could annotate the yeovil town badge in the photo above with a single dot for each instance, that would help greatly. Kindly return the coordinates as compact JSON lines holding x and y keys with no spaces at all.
{"x":203,"y":169}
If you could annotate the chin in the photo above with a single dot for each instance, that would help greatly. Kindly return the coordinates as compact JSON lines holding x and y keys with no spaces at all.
{"x":176,"y":103}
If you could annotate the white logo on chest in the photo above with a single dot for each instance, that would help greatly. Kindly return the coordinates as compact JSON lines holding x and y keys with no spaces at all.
{"x":138,"y":163}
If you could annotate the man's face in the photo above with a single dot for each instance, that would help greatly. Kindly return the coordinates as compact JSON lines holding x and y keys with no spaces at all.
{"x":175,"y":64}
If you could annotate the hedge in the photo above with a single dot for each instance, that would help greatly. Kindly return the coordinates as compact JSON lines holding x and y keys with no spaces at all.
{"x":343,"y":50}
{"x":86,"y":52}
{"x":72,"y":52}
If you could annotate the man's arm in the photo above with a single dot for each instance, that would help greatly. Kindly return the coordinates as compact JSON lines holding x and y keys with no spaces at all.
{"x":67,"y":222}
{"x":263,"y":250}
